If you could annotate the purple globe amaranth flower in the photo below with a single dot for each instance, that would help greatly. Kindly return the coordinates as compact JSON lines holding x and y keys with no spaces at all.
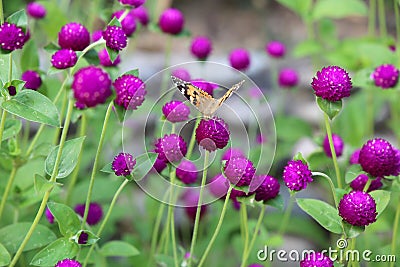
{"x":392,"y":48}
{"x":176,"y":111}
{"x":182,"y":74}
{"x":288,"y":78}
{"x":105,"y":60}
{"x":206,"y":86}
{"x":170,"y":148}
{"x":123,"y":164}
{"x":296,"y":175}
{"x":191,"y":200}
{"x":212,"y":134}
{"x":141,"y":14}
{"x":130,"y":91}
{"x":64,"y":58}
{"x":232,"y":153}
{"x":255,"y":265}
{"x":91,"y":86}
{"x":379,"y":158}
{"x":316,"y":259}
{"x":12,"y":37}
{"x":239,"y":59}
{"x":128,"y":23}
{"x":159,"y":165}
{"x":354,"y":157}
{"x":234,"y":195}
{"x":49,"y":216}
{"x":239,"y":171}
{"x":338,"y":145}
{"x":134,"y":3}
{"x":12,"y":90}
{"x":94,"y":215}
{"x":268,"y":189}
{"x":201,"y":47}
{"x":36,"y":10}
{"x":332,"y":83}
{"x":386,"y":76}
{"x":68,"y":263}
{"x":32,"y":79}
{"x":358,"y":208}
{"x":275,"y":49}
{"x":171,"y":21}
{"x":74,"y":35}
{"x":115,"y":38}
{"x":360,"y":181}
{"x":97,"y":35}
{"x":187,"y":172}
{"x":218,"y":186}
{"x":83,"y":238}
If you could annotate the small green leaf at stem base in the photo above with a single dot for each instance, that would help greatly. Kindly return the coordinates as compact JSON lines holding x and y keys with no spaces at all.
{"x":118,"y":249}
{"x":382,"y":199}
{"x":114,"y":22}
{"x":331,"y":109}
{"x":299,"y":156}
{"x":352,"y":231}
{"x":113,"y":54}
{"x":134,"y":72}
{"x":42,"y":184}
{"x":276,"y":202}
{"x":119,"y":112}
{"x":51,"y":48}
{"x":19,"y":18}
{"x":107,"y":168}
{"x":60,"y":249}
{"x":68,"y":222}
{"x":352,"y":172}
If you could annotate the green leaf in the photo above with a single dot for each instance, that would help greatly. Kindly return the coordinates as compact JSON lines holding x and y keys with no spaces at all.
{"x":19,"y":18}
{"x":134,"y":72}
{"x":114,"y":22}
{"x":52,"y":70}
{"x":340,"y":192}
{"x":299,"y":156}
{"x":107,"y":168}
{"x":326,"y":215}
{"x":68,"y":221}
{"x":91,"y":238}
{"x":164,"y":260}
{"x":41,"y":184}
{"x":339,"y":9}
{"x":113,"y":54}
{"x":352,"y":172}
{"x":184,"y":33}
{"x":5,"y":257}
{"x":56,"y":17}
{"x":33,"y":106}
{"x":330,"y":108}
{"x":277,"y":202}
{"x":144,"y":163}
{"x":12,"y":236}
{"x":60,"y":249}
{"x":69,"y":157}
{"x":4,"y":69}
{"x":352,"y":231}
{"x":30,"y":56}
{"x":120,"y":112}
{"x":11,"y":128}
{"x":118,"y":248}
{"x":382,"y":199}
{"x":51,"y":48}
{"x":300,"y":7}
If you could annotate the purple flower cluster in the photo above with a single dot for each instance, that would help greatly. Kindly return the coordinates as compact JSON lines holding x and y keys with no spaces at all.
{"x":275,"y":49}
{"x":64,"y":58}
{"x":201,"y":47}
{"x":94,"y":215}
{"x":68,"y":263}
{"x":130,"y":91}
{"x":171,"y":21}
{"x":358,"y":208}
{"x":187,"y":172}
{"x":317,"y":259}
{"x":128,"y":24}
{"x":176,"y":111}
{"x":232,"y":153}
{"x":297,"y":175}
{"x":386,"y":76}
{"x":268,"y":189}
{"x":170,"y":148}
{"x":12,"y":37}
{"x":74,"y":36}
{"x":123,"y":164}
{"x":105,"y":60}
{"x":134,"y":3}
{"x":35,"y":10}
{"x":115,"y":38}
{"x":239,"y":171}
{"x":32,"y":79}
{"x":239,"y":59}
{"x":288,"y":78}
{"x":360,"y":181}
{"x":338,"y":145}
{"x":212,"y":134}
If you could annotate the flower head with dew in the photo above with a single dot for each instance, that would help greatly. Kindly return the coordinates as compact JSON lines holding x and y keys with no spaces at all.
{"x":115,"y":38}
{"x":239,"y":59}
{"x":187,"y":172}
{"x":95,"y":212}
{"x":358,"y":208}
{"x":232,"y":152}
{"x":171,"y":21}
{"x":123,"y":164}
{"x":296,"y":175}
{"x":338,"y":145}
{"x":176,"y":111}
{"x":239,"y":171}
{"x":385,"y":76}
{"x":170,"y":148}
{"x":32,"y":79}
{"x":68,"y":263}
{"x":212,"y":134}
{"x":64,"y":58}
{"x":12,"y":37}
{"x":36,"y":10}
{"x":128,"y":24}
{"x":275,"y":49}
{"x":268,"y":189}
{"x":201,"y":47}
{"x":74,"y":36}
{"x":130,"y":91}
{"x":317,"y":259}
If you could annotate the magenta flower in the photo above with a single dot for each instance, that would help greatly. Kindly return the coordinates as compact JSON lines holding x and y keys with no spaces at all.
{"x":97,"y":35}
{"x":105,"y":60}
{"x":218,"y":186}
{"x":232,"y":153}
{"x":141,"y":14}
{"x":74,"y":36}
{"x":182,"y":74}
{"x":91,"y":86}
{"x":332,"y":83}
{"x":130,"y":91}
{"x":191,"y":200}
{"x":36,"y":10}
{"x":94,"y":215}
{"x":385,"y":76}
{"x":338,"y":145}
{"x":170,"y":148}
{"x":275,"y":49}
{"x":159,"y":165}
{"x":115,"y":38}
{"x":171,"y":21}
{"x":239,"y":171}
{"x":361,"y":180}
{"x":134,"y":3}
{"x":317,"y":259}
{"x":128,"y":23}
{"x":201,"y":47}
{"x":354,"y":157}
{"x":49,"y":216}
{"x":297,"y":175}
{"x":123,"y":164}
{"x":212,"y":134}
{"x":206,"y":86}
{"x":12,"y":37}
{"x":64,"y":58}
{"x":288,"y":78}
{"x":234,"y":195}
{"x":358,"y":208}
{"x":255,"y":265}
{"x":32,"y":79}
{"x":187,"y":172}
{"x":239,"y":59}
{"x":176,"y":111}
{"x":68,"y":263}
{"x":12,"y":90}
{"x":268,"y":189}
{"x":83,"y":238}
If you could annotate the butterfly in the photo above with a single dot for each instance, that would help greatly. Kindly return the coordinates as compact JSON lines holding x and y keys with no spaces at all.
{"x":204,"y":102}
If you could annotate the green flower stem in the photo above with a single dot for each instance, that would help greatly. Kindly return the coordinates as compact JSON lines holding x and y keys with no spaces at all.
{"x":199,"y":203}
{"x":330,"y":185}
{"x":366,"y":186}
{"x":2,"y":123}
{"x":395,"y":232}
{"x":47,"y":193}
{"x":192,"y":139}
{"x":244,"y":227}
{"x":63,"y":107}
{"x":74,"y":176}
{"x":382,"y":18}
{"x":352,"y":248}
{"x":96,"y":162}
{"x":103,"y":224}
{"x":1,"y":12}
{"x":286,"y":215}
{"x":172,"y":175}
{"x":397,"y":16}
{"x":8,"y":188}
{"x":334,"y":158}
{"x":253,"y":239}
{"x":372,"y":17}
{"x":84,"y":51}
{"x":217,"y":229}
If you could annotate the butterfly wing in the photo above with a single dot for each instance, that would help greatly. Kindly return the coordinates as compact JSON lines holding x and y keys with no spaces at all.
{"x":229,"y":93}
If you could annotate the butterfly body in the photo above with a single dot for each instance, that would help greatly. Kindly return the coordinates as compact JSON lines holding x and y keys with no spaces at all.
{"x":203,"y":101}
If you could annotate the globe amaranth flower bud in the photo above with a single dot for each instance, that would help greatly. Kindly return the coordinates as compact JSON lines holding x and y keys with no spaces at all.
{"x":239,"y":171}
{"x":74,"y":36}
{"x":83,"y":238}
{"x":232,"y":153}
{"x":187,"y":172}
{"x":268,"y":189}
{"x":354,"y":157}
{"x":12,"y":37}
{"x":201,"y":47}
{"x":36,"y":10}
{"x":218,"y":186}
{"x":379,"y":158}
{"x":105,"y":60}
{"x":296,"y":175}
{"x":32,"y":79}
{"x":49,"y":216}
{"x":68,"y":263}
{"x":176,"y":111}
{"x":316,"y":259}
{"x":64,"y":58}
{"x":275,"y":49}
{"x":123,"y":164}
{"x":358,"y":208}
{"x":94,"y":215}
{"x":12,"y":90}
{"x":212,"y":134}
{"x":91,"y":86}
{"x":385,"y":76}
{"x":338,"y":145}
{"x":134,"y":3}
{"x":115,"y":38}
{"x":130,"y":91}
{"x":361,"y":180}
{"x":332,"y":83}
{"x":239,"y":59}
{"x":171,"y":21}
{"x":141,"y":14}
{"x":182,"y":74}
{"x":170,"y":148}
{"x":288,"y":78}
{"x":206,"y":86}
{"x":128,"y":23}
